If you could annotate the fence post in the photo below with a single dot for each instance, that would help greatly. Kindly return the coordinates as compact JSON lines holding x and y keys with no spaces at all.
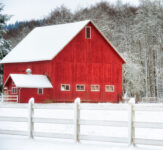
{"x":133,"y":128}
{"x":130,"y":124}
{"x":2,"y":98}
{"x":76,"y":120}
{"x":31,"y":112}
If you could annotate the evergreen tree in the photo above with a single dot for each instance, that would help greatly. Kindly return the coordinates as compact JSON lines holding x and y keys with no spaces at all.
{"x":4,"y":44}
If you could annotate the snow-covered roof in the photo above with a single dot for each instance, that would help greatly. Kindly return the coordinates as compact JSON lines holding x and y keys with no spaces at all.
{"x":31,"y":81}
{"x":44,"y":43}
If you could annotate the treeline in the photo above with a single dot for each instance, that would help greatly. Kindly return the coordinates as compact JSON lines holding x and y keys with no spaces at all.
{"x":135,"y":31}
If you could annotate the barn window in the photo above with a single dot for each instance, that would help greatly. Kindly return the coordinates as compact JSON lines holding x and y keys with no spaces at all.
{"x":95,"y":88}
{"x":80,"y":87}
{"x":88,"y":32}
{"x":109,"y":88}
{"x":14,"y":90}
{"x":13,"y":83}
{"x":65,"y":87}
{"x":40,"y":91}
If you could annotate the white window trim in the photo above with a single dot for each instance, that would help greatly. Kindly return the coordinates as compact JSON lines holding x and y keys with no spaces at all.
{"x":40,"y":93}
{"x":86,"y":32}
{"x":95,"y":90}
{"x":80,"y":85}
{"x":65,"y":90}
{"x":12,"y":90}
{"x":109,"y":85}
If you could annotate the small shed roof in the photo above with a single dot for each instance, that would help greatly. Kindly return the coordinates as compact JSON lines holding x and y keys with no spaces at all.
{"x":31,"y":81}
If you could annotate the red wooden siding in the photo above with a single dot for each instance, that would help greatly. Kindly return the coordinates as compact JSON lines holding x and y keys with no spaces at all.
{"x":82,"y":61}
{"x":32,"y":92}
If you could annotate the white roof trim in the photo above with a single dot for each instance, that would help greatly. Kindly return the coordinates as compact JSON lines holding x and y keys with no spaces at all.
{"x":30,"y":81}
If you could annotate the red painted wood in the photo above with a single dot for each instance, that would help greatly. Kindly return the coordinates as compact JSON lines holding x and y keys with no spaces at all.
{"x":82,"y":61}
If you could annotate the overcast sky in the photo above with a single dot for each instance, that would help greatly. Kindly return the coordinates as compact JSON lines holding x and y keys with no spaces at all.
{"x":36,"y":9}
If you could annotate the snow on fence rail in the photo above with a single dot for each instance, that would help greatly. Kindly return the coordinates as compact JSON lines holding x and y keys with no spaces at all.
{"x":131,"y":124}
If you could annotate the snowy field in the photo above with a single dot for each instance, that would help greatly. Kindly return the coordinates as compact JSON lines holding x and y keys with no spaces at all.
{"x":7,"y":142}
{"x":23,"y":143}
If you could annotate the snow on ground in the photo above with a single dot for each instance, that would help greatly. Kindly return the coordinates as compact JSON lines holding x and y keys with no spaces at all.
{"x":7,"y":141}
{"x":24,"y":143}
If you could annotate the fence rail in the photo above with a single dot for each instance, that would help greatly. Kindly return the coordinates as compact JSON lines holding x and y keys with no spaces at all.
{"x":131,"y":124}
{"x":11,"y":105}
{"x":14,"y":132}
{"x":52,"y":120}
{"x":54,"y":135}
{"x":13,"y":119}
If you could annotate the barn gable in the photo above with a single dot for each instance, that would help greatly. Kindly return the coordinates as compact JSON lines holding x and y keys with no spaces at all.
{"x":110,"y":44}
{"x":91,"y":47}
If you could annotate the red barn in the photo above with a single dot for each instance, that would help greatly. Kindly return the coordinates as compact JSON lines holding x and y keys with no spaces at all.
{"x":61,"y":62}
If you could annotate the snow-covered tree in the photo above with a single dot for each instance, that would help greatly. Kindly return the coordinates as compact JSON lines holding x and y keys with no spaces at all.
{"x":4,"y":44}
{"x":133,"y":76}
{"x":148,"y":31}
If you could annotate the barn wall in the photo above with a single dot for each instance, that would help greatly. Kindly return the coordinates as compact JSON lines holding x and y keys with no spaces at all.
{"x":87,"y":61}
{"x":27,"y":93}
{"x":20,"y":68}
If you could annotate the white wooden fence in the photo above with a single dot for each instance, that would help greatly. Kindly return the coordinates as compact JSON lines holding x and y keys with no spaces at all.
{"x":131,"y":124}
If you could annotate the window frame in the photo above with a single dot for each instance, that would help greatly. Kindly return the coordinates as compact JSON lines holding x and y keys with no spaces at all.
{"x":65,"y":85}
{"x":86,"y":37}
{"x":95,"y":90}
{"x":14,"y":92}
{"x":80,"y":85}
{"x":108,"y":90}
{"x":41,"y":92}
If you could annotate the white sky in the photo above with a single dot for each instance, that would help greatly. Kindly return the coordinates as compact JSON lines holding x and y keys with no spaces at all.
{"x":37,"y":9}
